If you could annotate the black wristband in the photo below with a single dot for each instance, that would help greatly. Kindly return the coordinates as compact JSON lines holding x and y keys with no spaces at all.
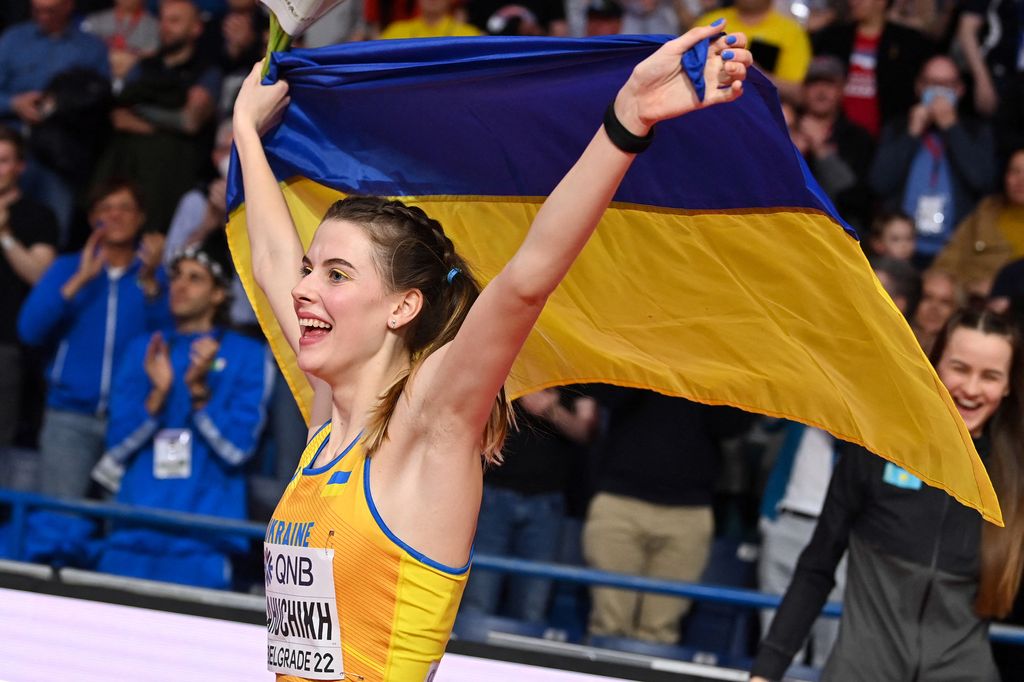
{"x":622,"y":138}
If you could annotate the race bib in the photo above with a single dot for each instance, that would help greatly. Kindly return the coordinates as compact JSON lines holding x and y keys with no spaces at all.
{"x":172,"y":454}
{"x":303,"y":637}
{"x":930,"y":216}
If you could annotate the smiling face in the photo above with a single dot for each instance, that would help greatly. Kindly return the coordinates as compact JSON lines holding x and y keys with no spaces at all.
{"x":341,"y":301}
{"x":975,"y":367}
{"x":194,"y":294}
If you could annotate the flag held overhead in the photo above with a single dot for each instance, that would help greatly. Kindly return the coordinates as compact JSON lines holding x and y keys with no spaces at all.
{"x":720,"y":273}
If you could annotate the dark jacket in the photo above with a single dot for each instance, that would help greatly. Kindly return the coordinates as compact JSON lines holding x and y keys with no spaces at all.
{"x":660,"y":449}
{"x":913,"y":575}
{"x":843,"y":175}
{"x":902,"y":52}
{"x":969,"y":148}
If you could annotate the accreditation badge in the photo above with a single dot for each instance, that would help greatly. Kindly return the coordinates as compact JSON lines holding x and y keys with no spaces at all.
{"x":172,"y":454}
{"x":930,"y":215}
{"x":303,"y":637}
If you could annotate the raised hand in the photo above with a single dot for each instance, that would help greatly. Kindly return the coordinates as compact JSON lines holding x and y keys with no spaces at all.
{"x":158,"y":364}
{"x":660,"y":89}
{"x":93,"y":259}
{"x":260,"y":106}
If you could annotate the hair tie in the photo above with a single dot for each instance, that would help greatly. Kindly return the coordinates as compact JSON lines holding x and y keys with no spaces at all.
{"x":452,"y":273}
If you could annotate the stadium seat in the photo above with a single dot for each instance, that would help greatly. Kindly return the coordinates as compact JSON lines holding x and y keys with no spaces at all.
{"x":476,"y":628}
{"x":723,"y":629}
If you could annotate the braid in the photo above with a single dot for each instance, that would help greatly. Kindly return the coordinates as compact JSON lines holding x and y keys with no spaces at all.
{"x":412,"y":251}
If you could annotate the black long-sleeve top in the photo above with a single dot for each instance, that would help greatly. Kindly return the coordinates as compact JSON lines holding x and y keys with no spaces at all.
{"x":913,"y":567}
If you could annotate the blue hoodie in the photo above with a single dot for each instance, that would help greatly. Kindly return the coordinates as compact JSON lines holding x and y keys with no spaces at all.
{"x":88,"y":334}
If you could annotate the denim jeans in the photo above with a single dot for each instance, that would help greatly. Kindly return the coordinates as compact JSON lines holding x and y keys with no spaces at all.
{"x":521,"y":526}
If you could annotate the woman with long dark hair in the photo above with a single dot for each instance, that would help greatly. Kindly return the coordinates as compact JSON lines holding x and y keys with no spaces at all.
{"x":925,"y":574}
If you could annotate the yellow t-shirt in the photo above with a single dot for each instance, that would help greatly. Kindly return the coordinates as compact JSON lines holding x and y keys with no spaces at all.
{"x":417,"y":28}
{"x":779,"y":44}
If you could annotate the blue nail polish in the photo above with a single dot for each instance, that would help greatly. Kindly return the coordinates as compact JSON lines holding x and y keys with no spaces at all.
{"x":728,"y":54}
{"x":730,"y":40}
{"x":718,"y":22}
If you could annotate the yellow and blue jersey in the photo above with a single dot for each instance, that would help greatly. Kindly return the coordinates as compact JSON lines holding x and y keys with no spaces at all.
{"x":396,"y":607}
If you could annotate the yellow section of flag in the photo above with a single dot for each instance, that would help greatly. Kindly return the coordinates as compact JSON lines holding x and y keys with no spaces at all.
{"x":771,"y":311}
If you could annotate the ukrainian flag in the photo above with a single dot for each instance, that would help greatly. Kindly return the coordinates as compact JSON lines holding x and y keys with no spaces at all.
{"x":720,"y":273}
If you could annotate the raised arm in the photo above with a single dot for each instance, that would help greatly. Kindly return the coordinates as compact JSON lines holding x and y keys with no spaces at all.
{"x":461,"y":380}
{"x":273,"y":241}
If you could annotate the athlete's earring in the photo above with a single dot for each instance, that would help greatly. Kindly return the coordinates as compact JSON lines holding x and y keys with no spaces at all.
{"x":392,"y":324}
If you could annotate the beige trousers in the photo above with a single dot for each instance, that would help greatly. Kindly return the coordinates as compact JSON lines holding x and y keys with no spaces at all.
{"x":627,"y":535}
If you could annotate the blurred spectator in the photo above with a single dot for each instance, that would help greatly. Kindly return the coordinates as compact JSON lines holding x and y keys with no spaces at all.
{"x":882,"y":60}
{"x":528,"y":17}
{"x":1007,"y":293}
{"x":892,"y":236}
{"x":162,"y":114}
{"x":84,"y":311}
{"x":187,"y":412}
{"x":381,"y":13}
{"x":202,"y":213}
{"x":130,"y":33}
{"x":779,"y":45}
{"x":202,"y":210}
{"x":436,"y":20}
{"x":900,"y":280}
{"x":651,"y":516}
{"x":603,"y":18}
{"x":989,"y":35}
{"x":343,"y":24}
{"x":838,"y":152}
{"x":523,"y":505}
{"x":234,"y":42}
{"x":924,"y":577}
{"x":921,"y":15}
{"x":28,"y":240}
{"x":792,"y":502}
{"x":651,"y":16}
{"x":941,"y":296}
{"x":991,"y":236}
{"x":934,"y":164}
{"x":32,"y":55}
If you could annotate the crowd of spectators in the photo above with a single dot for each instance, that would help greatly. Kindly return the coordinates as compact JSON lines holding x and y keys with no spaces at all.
{"x":118,"y":296}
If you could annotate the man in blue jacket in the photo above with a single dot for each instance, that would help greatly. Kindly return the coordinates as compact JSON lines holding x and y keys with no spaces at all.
{"x":185,"y":416}
{"x":85,"y":310}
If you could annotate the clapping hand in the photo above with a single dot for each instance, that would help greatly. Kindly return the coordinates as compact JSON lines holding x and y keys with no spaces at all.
{"x":158,"y":364}
{"x":151,"y":252}
{"x":201,"y":356}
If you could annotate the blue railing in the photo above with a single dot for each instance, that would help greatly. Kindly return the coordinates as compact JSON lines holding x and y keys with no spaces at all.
{"x":21,"y":503}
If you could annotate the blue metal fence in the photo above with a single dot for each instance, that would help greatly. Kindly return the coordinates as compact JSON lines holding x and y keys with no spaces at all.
{"x":21,"y":503}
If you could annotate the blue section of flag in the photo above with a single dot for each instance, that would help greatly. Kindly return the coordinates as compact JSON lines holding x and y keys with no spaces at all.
{"x":508,"y":117}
